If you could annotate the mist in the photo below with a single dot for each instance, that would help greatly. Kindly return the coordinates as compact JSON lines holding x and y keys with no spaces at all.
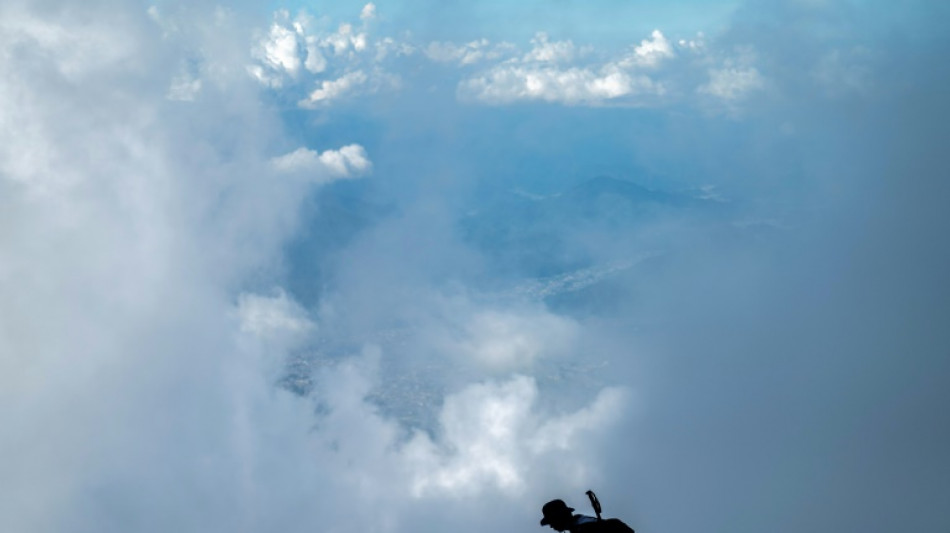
{"x":294,"y":270}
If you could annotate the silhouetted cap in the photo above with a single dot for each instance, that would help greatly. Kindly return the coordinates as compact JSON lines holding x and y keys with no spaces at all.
{"x":554,"y":509}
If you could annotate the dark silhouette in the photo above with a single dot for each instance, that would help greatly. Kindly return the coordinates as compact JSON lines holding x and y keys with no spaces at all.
{"x":560,"y":517}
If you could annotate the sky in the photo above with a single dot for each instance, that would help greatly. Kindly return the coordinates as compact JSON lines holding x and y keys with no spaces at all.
{"x":417,"y":266}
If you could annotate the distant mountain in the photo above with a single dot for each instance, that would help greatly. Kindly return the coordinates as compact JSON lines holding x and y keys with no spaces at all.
{"x":614,"y":201}
{"x":533,"y":234}
{"x":601,"y":186}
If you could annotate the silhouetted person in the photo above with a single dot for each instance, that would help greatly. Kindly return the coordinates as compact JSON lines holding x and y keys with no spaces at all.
{"x":562,"y":518}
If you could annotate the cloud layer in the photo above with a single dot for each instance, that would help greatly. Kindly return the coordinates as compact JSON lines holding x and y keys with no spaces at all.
{"x":266,"y":274}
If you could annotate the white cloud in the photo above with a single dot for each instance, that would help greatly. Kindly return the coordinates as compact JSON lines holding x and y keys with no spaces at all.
{"x":348,"y":162}
{"x":651,"y":51}
{"x":368,"y":12}
{"x":549,"y":72}
{"x":345,"y":40}
{"x":78,"y":51}
{"x":334,"y":89}
{"x":480,"y":50}
{"x":280,"y":49}
{"x":82,"y":54}
{"x":545,"y":51}
{"x":137,"y":365}
{"x":272,"y":315}
{"x":128,"y":226}
{"x":499,"y":340}
{"x":388,"y":46}
{"x":350,"y":62}
{"x":572,"y":86}
{"x":296,"y":49}
{"x":492,"y":438}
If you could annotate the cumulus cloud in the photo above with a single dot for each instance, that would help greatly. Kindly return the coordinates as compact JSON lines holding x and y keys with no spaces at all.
{"x":279,"y":52}
{"x":492,"y":437}
{"x":650,"y":52}
{"x":506,"y":84}
{"x":349,"y":61}
{"x":299,"y":52}
{"x":348,"y":162}
{"x":546,"y":51}
{"x":546,"y":73}
{"x":280,"y":49}
{"x":345,"y":40}
{"x":330,"y":90}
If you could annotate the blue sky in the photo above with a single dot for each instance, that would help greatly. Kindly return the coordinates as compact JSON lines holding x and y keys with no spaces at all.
{"x":427,"y":265}
{"x":608,"y":22}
